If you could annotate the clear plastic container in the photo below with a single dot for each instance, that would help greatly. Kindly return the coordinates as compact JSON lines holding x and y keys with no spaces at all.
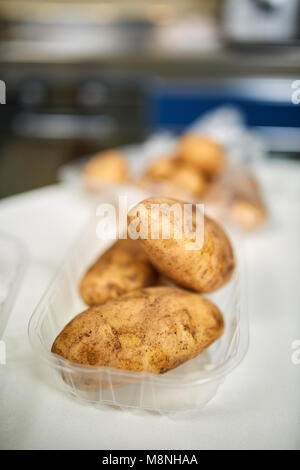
{"x":186,"y":388}
{"x":13,"y":259}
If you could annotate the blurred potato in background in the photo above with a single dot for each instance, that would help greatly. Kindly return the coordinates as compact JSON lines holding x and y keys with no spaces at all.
{"x":105,"y":167}
{"x":202,"y":152}
{"x":183,"y":176}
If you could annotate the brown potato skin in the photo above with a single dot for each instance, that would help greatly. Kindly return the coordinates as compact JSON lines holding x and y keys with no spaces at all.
{"x":190,"y":180}
{"x":201,"y":270}
{"x":248,"y":214}
{"x":153,"y":329}
{"x":162,"y":167}
{"x":122,"y":268}
{"x":202,"y":152}
{"x":179,"y":174}
{"x":109,"y":166}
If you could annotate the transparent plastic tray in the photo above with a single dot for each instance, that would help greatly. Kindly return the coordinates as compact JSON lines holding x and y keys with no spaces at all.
{"x":13,"y":259}
{"x":185,"y":388}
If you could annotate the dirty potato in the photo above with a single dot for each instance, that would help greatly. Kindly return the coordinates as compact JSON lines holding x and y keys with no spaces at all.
{"x":122,"y":268}
{"x":200,"y":267}
{"x":153,"y":329}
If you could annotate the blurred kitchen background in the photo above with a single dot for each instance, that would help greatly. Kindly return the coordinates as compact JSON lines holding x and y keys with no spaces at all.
{"x":82,"y":76}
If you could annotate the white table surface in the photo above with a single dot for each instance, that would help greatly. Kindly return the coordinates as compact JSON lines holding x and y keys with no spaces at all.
{"x":258,"y":406}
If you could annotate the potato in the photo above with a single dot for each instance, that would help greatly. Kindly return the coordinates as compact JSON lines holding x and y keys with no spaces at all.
{"x":106,"y":167}
{"x":153,"y":329}
{"x":248,"y":214}
{"x":162,"y":167}
{"x":202,"y":152}
{"x":124,"y":267}
{"x":190,"y":180}
{"x":201,"y":269}
{"x":236,"y":195}
{"x":179,"y":175}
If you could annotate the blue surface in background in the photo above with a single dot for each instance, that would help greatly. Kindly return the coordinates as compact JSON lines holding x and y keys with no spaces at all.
{"x":174,"y":108}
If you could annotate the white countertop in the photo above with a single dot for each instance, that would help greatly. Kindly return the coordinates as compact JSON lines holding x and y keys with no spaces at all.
{"x":257,"y":407}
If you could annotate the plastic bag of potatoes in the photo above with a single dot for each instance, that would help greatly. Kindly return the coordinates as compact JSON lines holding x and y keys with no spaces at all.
{"x":197,"y":170}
